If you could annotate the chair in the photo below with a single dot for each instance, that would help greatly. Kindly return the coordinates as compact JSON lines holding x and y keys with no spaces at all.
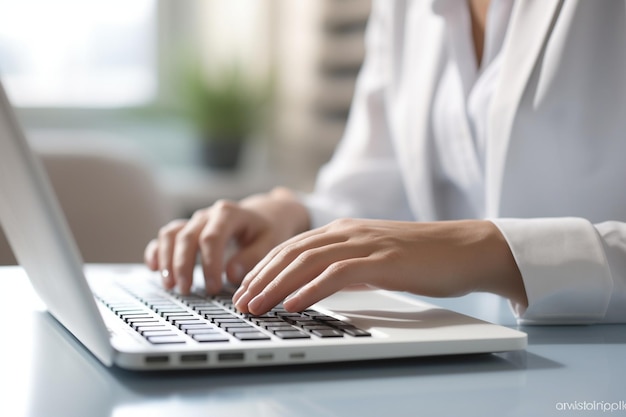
{"x":108,"y":193}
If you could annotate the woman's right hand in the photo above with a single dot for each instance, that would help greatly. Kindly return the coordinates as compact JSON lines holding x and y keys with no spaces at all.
{"x":255,"y":225}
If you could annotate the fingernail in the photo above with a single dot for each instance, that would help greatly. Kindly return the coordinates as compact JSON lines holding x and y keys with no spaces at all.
{"x":237,"y":294}
{"x":242,"y":301}
{"x":257,"y":304}
{"x":292,"y":302}
{"x":166,"y":278}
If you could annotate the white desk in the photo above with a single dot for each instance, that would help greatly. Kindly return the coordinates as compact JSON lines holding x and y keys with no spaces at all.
{"x":45,"y":372}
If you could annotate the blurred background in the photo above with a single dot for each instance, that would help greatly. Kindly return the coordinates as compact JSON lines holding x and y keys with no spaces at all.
{"x":148,"y":110}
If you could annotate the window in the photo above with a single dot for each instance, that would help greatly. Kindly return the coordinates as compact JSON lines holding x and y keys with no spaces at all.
{"x":76,"y":53}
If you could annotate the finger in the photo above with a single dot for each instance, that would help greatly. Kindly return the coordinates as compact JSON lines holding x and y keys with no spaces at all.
{"x":306,"y":267}
{"x":165,"y":250}
{"x":340,"y":275}
{"x":280,"y":251}
{"x":260,"y":276}
{"x":227,"y":221}
{"x":150,"y":255}
{"x":185,"y":250}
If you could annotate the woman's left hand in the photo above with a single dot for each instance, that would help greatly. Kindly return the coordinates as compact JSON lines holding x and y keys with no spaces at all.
{"x":438,"y":259}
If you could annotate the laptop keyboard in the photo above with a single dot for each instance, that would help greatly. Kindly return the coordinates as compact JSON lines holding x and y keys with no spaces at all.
{"x":167,"y":318}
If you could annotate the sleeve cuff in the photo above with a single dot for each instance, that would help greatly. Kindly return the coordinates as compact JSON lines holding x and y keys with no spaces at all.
{"x":564,"y":268}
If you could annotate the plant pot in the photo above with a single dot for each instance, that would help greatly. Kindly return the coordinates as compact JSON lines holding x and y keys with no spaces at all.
{"x":221,"y":154}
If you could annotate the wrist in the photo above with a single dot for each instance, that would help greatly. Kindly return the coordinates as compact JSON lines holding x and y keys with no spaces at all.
{"x":282,"y":208}
{"x":503,"y":276}
{"x":290,"y":206}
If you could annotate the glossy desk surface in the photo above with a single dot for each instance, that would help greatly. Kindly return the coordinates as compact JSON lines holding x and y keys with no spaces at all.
{"x":45,"y":372}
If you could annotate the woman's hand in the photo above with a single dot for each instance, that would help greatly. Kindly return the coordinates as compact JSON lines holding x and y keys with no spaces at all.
{"x":255,"y":225}
{"x":434,"y":259}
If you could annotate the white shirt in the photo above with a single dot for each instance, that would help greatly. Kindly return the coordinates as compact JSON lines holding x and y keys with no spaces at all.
{"x":549,"y":170}
{"x":461,"y":106}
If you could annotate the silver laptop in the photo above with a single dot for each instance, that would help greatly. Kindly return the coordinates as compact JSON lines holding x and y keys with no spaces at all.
{"x":122,"y":315}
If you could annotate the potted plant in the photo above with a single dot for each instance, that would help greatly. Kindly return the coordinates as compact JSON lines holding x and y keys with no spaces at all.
{"x":226,"y":109}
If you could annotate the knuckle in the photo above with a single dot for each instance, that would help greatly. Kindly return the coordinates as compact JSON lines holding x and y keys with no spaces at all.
{"x":315,"y":287}
{"x":342,"y":223}
{"x":275,"y":251}
{"x":224,"y":205}
{"x":209,"y":237}
{"x":185,"y":237}
{"x":290,"y":252}
{"x":200,"y":213}
{"x":307,"y":257}
{"x":256,"y":285}
{"x":339,"y":269}
{"x":170,"y":229}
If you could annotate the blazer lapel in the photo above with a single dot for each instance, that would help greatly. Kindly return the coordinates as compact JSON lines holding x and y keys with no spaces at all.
{"x":422,"y":31}
{"x":529,"y":29}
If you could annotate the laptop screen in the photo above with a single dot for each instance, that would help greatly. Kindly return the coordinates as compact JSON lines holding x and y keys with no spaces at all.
{"x":40,"y":237}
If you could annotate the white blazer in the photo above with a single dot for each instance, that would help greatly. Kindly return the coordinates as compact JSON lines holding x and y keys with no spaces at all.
{"x":555,"y":170}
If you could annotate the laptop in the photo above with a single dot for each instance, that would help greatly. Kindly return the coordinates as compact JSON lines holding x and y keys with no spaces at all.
{"x":122,"y":315}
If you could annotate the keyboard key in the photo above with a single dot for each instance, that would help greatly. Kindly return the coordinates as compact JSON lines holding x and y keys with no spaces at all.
{"x":248,"y":336}
{"x":250,"y":329}
{"x":210,"y":310}
{"x":127,"y":317}
{"x":143,"y":329}
{"x":220,"y":322}
{"x":356,"y":332}
{"x":317,"y":327}
{"x":128,"y":310}
{"x":328,"y":333}
{"x":169,"y":309}
{"x":291,"y":334}
{"x":327,"y":319}
{"x":280,"y":327}
{"x":302,"y":323}
{"x":178,"y":315}
{"x":236,"y":325}
{"x":134,"y":320}
{"x":146,"y":324}
{"x":268,"y":321}
{"x":162,"y":340}
{"x":196,"y":326}
{"x":210,"y":337}
{"x":286,"y":314}
{"x":202,"y":310}
{"x":186,"y":320}
{"x":154,"y":333}
{"x":205,"y":330}
{"x":162,"y":305}
{"x":219,"y":316}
